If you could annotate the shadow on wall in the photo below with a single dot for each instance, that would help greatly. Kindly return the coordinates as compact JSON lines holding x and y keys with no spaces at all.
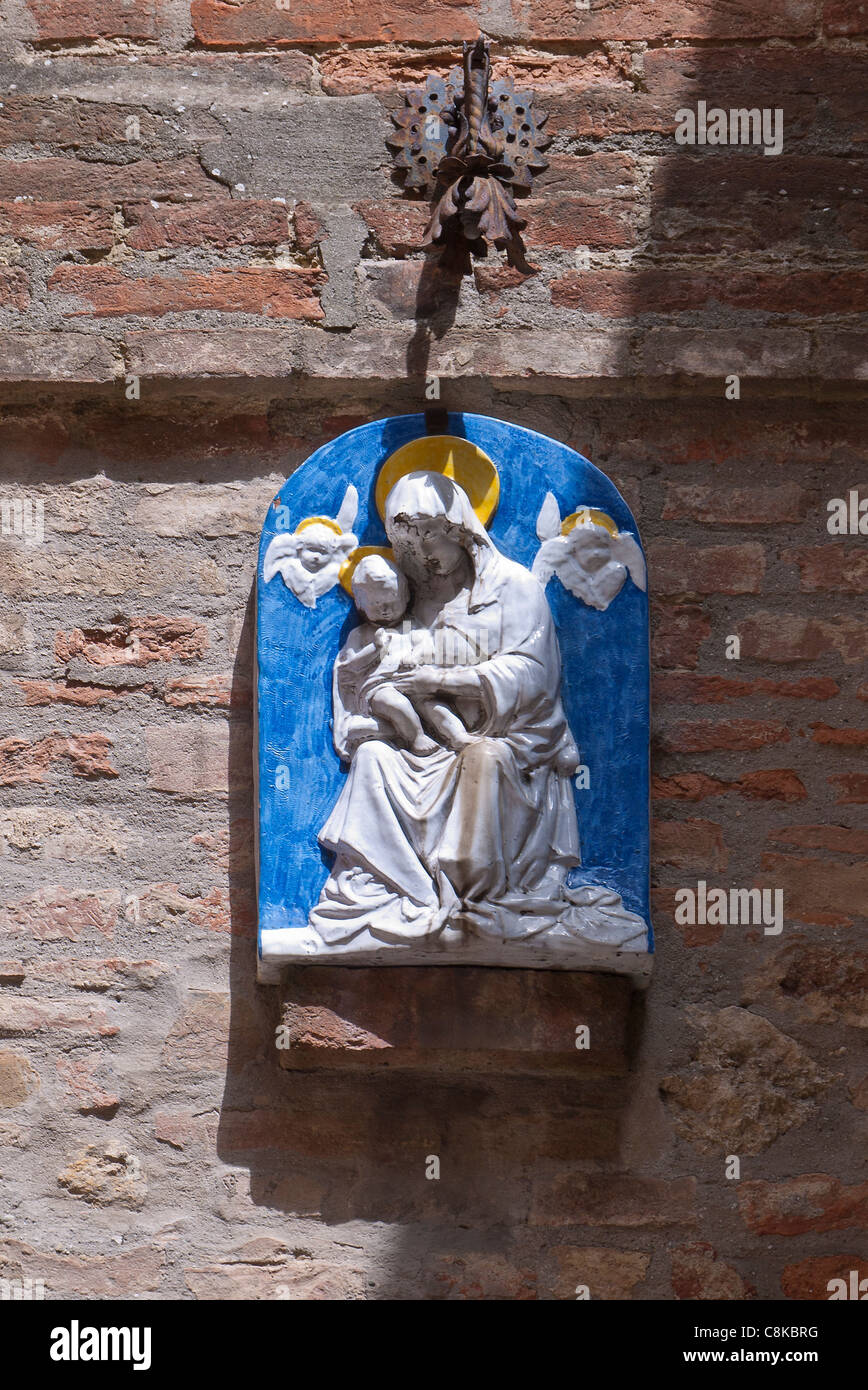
{"x":346,"y":1147}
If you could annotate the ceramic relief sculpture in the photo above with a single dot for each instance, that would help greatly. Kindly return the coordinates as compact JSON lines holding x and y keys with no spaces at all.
{"x":452,"y":706}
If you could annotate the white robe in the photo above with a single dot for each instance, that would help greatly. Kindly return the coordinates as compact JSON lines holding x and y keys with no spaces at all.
{"x":478,"y":841}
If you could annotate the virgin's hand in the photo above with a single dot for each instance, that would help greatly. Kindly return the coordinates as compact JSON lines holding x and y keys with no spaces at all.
{"x":422,"y":683}
{"x":433,"y":680}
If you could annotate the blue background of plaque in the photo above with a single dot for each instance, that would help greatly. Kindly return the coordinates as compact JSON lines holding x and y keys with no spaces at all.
{"x":605,"y":661}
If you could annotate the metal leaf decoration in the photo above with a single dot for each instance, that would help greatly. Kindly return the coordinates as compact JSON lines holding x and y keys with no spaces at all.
{"x":475,"y":145}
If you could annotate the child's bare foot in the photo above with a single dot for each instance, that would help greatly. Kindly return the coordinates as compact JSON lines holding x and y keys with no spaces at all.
{"x":423,"y":744}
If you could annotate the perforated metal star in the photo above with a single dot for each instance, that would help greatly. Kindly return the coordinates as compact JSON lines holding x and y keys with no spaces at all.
{"x":474,"y":145}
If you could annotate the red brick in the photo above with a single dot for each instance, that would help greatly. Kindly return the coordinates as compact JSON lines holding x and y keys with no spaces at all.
{"x":92,"y":1098}
{"x":185,"y":1131}
{"x":852,"y":788}
{"x":569,"y":222}
{"x":482,"y":1276}
{"x":708,"y":735}
{"x":22,"y":761}
{"x":845,"y":18}
{"x":83,"y":696}
{"x":309,"y":226}
{"x":397,"y":227}
{"x":127,"y":1274}
{"x":687,"y":786}
{"x":699,"y":1273}
{"x":386,"y":71}
{"x":230,"y":848}
{"x":665,"y":19}
{"x":594,"y":176}
{"x":134,"y":642}
{"x":97,"y":976}
{"x":54,"y":914}
{"x":818,"y":982}
{"x":407,"y":289}
{"x":833,"y":837}
{"x":787,"y":637}
{"x":220,"y":223}
{"x":75,"y":125}
{"x":28,"y":1018}
{"x":608,"y":1274}
{"x":810,"y":1279}
{"x":613,"y":1200}
{"x":628,"y":293}
{"x":742,"y":201}
{"x":220,"y":25}
{"x":839,"y":738}
{"x":494,"y":279}
{"x":65,"y":226}
{"x":95,"y":19}
{"x":599,"y":112}
{"x":775,"y":784}
{"x":811,"y":1202}
{"x":731,"y":76}
{"x":676,"y":568}
{"x":694,"y":845}
{"x":689,"y":687}
{"x":678,"y":632}
{"x":820,"y":892}
{"x":14,"y":288}
{"x":831,"y":567}
{"x":62,"y":180}
{"x":207,"y":691}
{"x":273,"y":293}
{"x":738,"y":506}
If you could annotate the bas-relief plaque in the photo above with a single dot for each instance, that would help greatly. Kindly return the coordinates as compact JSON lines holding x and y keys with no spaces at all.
{"x":452,"y":706}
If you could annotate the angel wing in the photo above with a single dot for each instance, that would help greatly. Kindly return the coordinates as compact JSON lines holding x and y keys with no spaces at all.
{"x":349,"y":509}
{"x":281,"y":548}
{"x":626,"y":550}
{"x":548,"y":523}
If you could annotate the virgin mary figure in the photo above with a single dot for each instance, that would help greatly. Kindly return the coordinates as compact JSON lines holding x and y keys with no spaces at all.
{"x":475,"y":837}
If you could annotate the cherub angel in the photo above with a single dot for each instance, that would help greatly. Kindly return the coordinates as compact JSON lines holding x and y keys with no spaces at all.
{"x":587,"y":552}
{"x":310,"y":558}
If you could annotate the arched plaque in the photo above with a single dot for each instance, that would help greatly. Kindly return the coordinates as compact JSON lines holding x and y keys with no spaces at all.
{"x":452,"y":706}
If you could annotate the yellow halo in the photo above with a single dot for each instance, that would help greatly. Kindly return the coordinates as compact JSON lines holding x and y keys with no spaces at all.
{"x":319,"y":521}
{"x":348,"y":568}
{"x":586,"y":516}
{"x":455,"y":458}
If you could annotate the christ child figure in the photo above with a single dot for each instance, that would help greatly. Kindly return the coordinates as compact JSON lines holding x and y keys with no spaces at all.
{"x":382,"y":647}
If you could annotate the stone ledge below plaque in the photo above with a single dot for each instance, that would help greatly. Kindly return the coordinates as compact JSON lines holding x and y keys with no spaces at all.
{"x":454,"y":1018}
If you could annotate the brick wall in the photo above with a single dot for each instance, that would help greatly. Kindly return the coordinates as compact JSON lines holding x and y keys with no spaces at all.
{"x":201,"y":200}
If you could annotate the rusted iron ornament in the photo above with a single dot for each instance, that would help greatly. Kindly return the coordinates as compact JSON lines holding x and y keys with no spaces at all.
{"x":476,"y":145}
